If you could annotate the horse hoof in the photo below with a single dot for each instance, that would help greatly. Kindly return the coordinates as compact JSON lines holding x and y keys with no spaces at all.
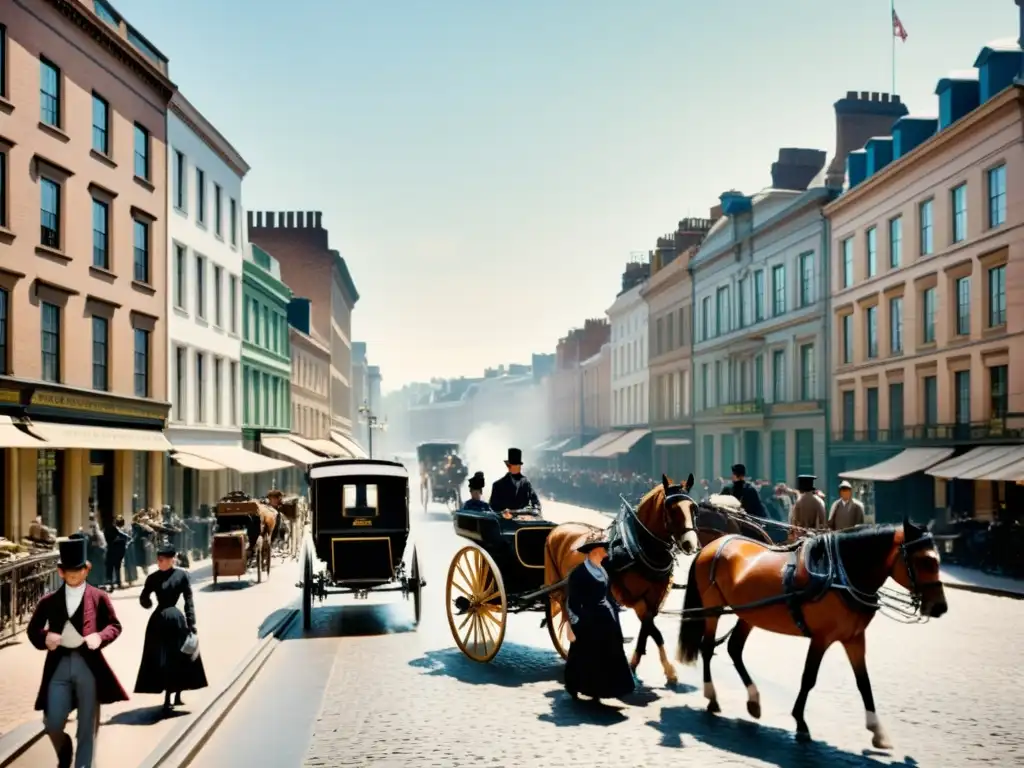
{"x":881,"y":741}
{"x":713,"y":707}
{"x":802,"y":733}
{"x":754,"y":709}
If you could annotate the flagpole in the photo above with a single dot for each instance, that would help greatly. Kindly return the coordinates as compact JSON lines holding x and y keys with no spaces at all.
{"x":892,"y":34}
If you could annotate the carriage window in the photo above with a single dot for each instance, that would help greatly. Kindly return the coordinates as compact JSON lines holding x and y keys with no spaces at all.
{"x":359,"y":500}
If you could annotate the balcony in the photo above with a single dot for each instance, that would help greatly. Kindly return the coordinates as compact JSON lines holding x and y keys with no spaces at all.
{"x":996,"y":430}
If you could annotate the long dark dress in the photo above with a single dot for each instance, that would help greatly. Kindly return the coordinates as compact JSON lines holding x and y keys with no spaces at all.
{"x":163,"y":666}
{"x":597,"y":664}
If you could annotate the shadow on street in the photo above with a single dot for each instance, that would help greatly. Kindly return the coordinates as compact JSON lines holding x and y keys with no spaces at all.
{"x":567,"y":713}
{"x":514,"y":666}
{"x":353,"y":620}
{"x":145,"y":716}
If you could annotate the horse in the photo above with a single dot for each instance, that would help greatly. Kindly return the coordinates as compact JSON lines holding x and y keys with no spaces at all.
{"x":721,"y":515}
{"x":665,"y":518}
{"x":825,"y":587}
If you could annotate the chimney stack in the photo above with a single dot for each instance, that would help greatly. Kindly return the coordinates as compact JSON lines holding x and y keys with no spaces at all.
{"x":796,"y":168}
{"x":859,"y":118}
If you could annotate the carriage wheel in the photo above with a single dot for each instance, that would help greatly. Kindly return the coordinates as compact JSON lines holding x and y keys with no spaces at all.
{"x":307,"y":593}
{"x":558,"y":625}
{"x":478,"y":621}
{"x":417,"y":588}
{"x":215,"y":574}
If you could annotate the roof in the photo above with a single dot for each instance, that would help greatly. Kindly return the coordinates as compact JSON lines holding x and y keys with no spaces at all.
{"x":346,"y":276}
{"x":185,"y":111}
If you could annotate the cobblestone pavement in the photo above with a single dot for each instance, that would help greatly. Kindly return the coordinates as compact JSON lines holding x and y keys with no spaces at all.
{"x":363,"y":688}
{"x":229,"y":618}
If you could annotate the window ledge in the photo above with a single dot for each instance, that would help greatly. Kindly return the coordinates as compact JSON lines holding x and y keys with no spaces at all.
{"x":107,"y":160}
{"x":180,"y":211}
{"x":6,"y":235}
{"x":201,"y":223}
{"x":219,"y":236}
{"x":144,"y":183}
{"x":180,"y":311}
{"x":54,"y":131}
{"x":202,"y":321}
{"x":101,"y":272}
{"x":144,"y":287}
{"x":994,"y":331}
{"x":45,"y":250}
{"x":6,"y":105}
{"x":928,"y":346}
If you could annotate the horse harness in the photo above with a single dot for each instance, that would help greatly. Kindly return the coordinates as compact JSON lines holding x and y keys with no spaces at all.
{"x":632,"y":545}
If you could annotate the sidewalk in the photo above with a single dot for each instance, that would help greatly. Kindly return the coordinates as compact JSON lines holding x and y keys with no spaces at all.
{"x":230,"y":620}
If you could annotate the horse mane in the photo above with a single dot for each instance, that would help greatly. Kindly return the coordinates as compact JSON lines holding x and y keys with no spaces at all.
{"x":725,"y":502}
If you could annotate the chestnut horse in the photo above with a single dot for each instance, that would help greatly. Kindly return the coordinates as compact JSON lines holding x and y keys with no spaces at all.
{"x":826,"y":587}
{"x":665,"y":518}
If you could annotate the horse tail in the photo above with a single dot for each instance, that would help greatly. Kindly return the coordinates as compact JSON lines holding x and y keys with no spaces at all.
{"x":692,"y":628}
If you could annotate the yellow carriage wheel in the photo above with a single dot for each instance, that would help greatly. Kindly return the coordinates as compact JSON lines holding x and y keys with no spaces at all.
{"x":476,"y":603}
{"x":558,"y":625}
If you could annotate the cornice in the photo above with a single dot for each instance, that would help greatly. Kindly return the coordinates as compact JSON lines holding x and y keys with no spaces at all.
{"x":185,"y":111}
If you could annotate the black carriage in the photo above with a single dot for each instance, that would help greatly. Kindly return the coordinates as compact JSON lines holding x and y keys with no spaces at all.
{"x":359,"y":516}
{"x":500,"y":572}
{"x":442,"y":473}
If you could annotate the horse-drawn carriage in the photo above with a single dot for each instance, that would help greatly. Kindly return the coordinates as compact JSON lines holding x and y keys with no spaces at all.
{"x":293,"y":512}
{"x":359,"y":542}
{"x":242,"y":537}
{"x":442,"y":473}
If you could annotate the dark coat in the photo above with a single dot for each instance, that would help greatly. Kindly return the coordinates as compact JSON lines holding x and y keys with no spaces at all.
{"x":506,"y":495}
{"x":163,"y":666}
{"x":749,"y":498}
{"x":95,"y":615}
{"x":476,"y":506}
{"x":597,"y":664}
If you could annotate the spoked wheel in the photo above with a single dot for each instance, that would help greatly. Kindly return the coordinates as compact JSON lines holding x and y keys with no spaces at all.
{"x":558,"y":625}
{"x":476,"y":603}
{"x":307,"y":593}
{"x":417,"y":587}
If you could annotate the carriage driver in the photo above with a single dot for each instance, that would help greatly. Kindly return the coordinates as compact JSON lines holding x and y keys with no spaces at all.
{"x":744,"y":492}
{"x":513,"y":492}
{"x":476,"y":502}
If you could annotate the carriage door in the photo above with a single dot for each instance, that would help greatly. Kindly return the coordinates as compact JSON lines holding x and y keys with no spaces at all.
{"x":101,"y":485}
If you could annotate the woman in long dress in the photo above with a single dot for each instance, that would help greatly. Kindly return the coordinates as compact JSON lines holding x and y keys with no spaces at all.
{"x":165,"y":667}
{"x":597,"y":664}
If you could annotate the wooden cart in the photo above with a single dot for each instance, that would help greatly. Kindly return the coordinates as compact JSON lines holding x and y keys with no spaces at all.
{"x":241,"y":539}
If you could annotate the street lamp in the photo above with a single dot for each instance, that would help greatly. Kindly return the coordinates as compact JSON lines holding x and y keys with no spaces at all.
{"x":372,"y":423}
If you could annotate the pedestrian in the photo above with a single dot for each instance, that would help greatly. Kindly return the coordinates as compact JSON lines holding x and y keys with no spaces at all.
{"x":846,"y":512}
{"x":170,"y":660}
{"x":808,"y":513}
{"x":744,"y":492}
{"x":117,"y":546}
{"x":73,"y":624}
{"x":597,"y":664}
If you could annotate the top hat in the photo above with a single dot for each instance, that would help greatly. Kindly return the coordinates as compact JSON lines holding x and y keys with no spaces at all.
{"x":477,"y":482}
{"x":74,"y":552}
{"x":845,"y":485}
{"x":805,"y":483}
{"x":739,"y":470}
{"x":515,"y":456}
{"x":587,"y":546}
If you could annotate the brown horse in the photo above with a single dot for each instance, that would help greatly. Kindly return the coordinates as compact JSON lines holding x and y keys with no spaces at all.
{"x":665,"y":518}
{"x":827,"y":588}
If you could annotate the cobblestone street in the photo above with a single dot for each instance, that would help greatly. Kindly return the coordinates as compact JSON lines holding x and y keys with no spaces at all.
{"x":363,"y":686}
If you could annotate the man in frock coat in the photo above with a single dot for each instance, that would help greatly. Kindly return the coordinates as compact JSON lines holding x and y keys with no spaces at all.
{"x":73,"y":624}
{"x":513,"y":491}
{"x":744,"y":492}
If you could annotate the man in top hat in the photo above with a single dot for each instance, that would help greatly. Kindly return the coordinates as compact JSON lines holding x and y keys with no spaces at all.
{"x":745,"y":492}
{"x":846,"y":512}
{"x":476,"y":501}
{"x":513,"y":491}
{"x":809,"y":510}
{"x":73,"y":625}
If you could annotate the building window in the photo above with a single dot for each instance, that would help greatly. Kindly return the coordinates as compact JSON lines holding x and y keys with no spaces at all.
{"x":200,"y":388}
{"x":100,"y":124}
{"x":871,"y":407}
{"x":895,"y":242}
{"x":3,"y":61}
{"x":141,"y":152}
{"x":180,"y":277}
{"x":721,"y":311}
{"x":929,"y":305}
{"x":999,"y":386}
{"x":931,"y":400}
{"x":959,"y":195}
{"x":100,"y":238}
{"x":849,"y":415}
{"x":759,"y":378}
{"x":233,"y":394}
{"x":721,"y":389}
{"x":218,"y":280}
{"x":778,"y":290}
{"x":49,"y":471}
{"x":218,"y":216}
{"x":233,"y":303}
{"x":218,"y":395}
{"x":49,"y":93}
{"x":997,"y":196}
{"x":925,"y":211}
{"x":806,"y":279}
{"x":705,"y":318}
{"x":140,"y":479}
{"x":847,"y":250}
{"x":896,"y":411}
{"x":201,"y":287}
{"x":49,"y":213}
{"x":705,"y":385}
{"x":5,"y":297}
{"x":963,"y":306}
{"x":233,"y":206}
{"x":179,"y":383}
{"x":896,"y":325}
{"x":105,"y":13}
{"x":847,"y":340}
{"x":3,"y":187}
{"x":778,"y":376}
{"x":179,"y":181}
{"x":658,"y":331}
{"x":871,"y":327}
{"x":962,"y":386}
{"x":141,"y":363}
{"x":742,"y":306}
{"x":50,"y":341}
{"x":759,"y":296}
{"x":808,"y":373}
{"x":997,"y":296}
{"x":100,"y":352}
{"x":141,"y":272}
{"x":200,"y":196}
{"x":871,"y":248}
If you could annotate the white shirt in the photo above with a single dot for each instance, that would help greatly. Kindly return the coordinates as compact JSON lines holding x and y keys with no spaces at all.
{"x":70,"y":637}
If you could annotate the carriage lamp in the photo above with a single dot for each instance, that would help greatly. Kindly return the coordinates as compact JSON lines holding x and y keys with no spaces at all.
{"x":372,"y":422}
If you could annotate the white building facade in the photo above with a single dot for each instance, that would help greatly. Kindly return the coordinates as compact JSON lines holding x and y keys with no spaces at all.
{"x":628,"y":317}
{"x":205,"y":249}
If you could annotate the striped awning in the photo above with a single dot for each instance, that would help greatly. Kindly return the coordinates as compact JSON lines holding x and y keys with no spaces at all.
{"x":587,"y":451}
{"x":961,"y":467}
{"x":907,"y":462}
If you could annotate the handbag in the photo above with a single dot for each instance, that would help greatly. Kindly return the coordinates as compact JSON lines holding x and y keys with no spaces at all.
{"x":191,"y":646}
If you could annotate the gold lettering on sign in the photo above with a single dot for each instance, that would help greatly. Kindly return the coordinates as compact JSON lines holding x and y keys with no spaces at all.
{"x":362,"y":522}
{"x":738,"y":408}
{"x":77,"y":403}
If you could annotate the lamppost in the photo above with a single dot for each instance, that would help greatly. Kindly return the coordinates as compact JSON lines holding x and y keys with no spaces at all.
{"x":372,"y":423}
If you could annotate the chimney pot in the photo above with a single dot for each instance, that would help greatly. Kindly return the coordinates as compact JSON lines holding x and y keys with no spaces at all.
{"x":885,"y":98}
{"x":271,"y":220}
{"x":895,"y":98}
{"x":249,"y":218}
{"x":281,"y":219}
{"x":865,"y":96}
{"x":317,"y":219}
{"x":851,"y":95}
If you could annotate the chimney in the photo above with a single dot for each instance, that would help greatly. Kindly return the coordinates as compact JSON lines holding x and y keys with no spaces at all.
{"x":860,"y":117}
{"x":796,"y":168}
{"x":271,"y":218}
{"x":249,"y":218}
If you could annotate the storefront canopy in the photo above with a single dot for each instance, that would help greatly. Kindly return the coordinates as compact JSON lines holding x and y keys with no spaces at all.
{"x":621,"y":445}
{"x":669,"y":441}
{"x":587,"y":451}
{"x":905,"y":463}
{"x":326,"y":447}
{"x":348,"y":444}
{"x":12,"y":437}
{"x":194,"y":462}
{"x":99,"y":438}
{"x":557,"y":445}
{"x":1008,"y":473}
{"x":233,"y":457}
{"x":292,"y":450}
{"x":973,"y":464}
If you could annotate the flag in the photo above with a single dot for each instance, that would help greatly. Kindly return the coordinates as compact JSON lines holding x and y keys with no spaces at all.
{"x":898,"y":30}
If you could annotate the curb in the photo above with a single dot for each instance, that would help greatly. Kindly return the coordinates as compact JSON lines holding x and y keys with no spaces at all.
{"x":993,"y":591}
{"x":16,"y":742}
{"x":180,"y":747}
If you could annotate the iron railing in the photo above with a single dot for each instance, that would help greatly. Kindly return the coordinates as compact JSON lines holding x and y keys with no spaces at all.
{"x":22,"y":583}
{"x":925,"y":434}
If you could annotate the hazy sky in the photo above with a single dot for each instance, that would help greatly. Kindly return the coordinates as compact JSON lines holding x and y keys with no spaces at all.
{"x":487,"y":167}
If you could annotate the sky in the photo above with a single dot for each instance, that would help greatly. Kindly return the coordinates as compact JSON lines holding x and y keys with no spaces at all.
{"x":487,"y":168}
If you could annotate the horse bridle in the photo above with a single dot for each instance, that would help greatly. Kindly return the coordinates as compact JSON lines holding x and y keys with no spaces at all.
{"x":675,"y":495}
{"x":926,"y":540}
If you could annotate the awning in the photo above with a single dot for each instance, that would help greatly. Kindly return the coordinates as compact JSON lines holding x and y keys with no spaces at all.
{"x":99,"y":438}
{"x":621,"y":445}
{"x":348,"y":444}
{"x":905,"y":463}
{"x":194,"y":462}
{"x":588,"y":450}
{"x":12,"y":437}
{"x":672,"y":441}
{"x":1009,"y":473}
{"x":975,"y":460}
{"x":326,"y":447}
{"x":559,"y":445}
{"x":234,"y":457}
{"x":285,"y":447}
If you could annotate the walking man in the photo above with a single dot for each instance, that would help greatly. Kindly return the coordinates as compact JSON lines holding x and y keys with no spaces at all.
{"x":73,"y":625}
{"x":846,"y":512}
{"x":809,"y":510}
